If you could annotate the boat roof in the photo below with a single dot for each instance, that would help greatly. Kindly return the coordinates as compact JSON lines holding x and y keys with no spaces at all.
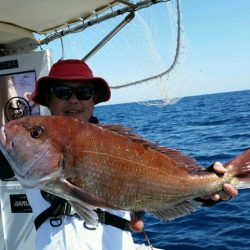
{"x":43,"y":16}
{"x":21,"y":20}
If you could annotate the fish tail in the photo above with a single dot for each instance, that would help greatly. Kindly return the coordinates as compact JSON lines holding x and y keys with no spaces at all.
{"x":239,"y":167}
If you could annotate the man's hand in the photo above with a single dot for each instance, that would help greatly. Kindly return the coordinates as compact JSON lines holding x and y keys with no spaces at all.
{"x":228,"y":190}
{"x":137,"y":223}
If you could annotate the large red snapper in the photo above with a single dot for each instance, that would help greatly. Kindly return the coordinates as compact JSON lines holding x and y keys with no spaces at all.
{"x":107,"y":167}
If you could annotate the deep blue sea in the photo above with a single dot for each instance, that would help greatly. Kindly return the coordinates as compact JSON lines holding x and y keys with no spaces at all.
{"x":208,"y":128}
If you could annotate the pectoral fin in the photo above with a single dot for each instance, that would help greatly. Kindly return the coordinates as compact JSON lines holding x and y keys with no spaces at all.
{"x":83,"y":196}
{"x":84,"y":203}
{"x":86,"y":212}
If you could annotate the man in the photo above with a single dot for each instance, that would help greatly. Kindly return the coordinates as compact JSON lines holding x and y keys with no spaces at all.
{"x":70,"y":89}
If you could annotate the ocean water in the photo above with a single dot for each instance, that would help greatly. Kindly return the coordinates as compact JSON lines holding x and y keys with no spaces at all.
{"x":208,"y":128}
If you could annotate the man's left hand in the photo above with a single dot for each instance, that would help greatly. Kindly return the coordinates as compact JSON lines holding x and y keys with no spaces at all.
{"x":228,"y":190}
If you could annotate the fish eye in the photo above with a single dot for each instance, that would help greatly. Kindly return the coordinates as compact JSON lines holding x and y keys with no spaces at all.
{"x":36,"y":132}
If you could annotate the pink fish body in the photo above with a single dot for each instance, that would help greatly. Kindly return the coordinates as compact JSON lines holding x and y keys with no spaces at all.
{"x":94,"y":166}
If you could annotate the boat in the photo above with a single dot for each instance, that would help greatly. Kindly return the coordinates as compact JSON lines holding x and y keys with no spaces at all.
{"x":24,"y":27}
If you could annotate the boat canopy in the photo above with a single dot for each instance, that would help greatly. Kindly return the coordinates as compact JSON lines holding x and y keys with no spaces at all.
{"x":22,"y":20}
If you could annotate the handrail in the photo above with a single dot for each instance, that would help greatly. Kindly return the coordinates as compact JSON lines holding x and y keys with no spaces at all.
{"x":85,"y":24}
{"x":175,"y":60}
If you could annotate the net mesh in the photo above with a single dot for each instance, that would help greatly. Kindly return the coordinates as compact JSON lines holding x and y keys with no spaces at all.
{"x":147,"y":55}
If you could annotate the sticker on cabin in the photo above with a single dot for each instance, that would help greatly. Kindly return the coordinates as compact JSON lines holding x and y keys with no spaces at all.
{"x":19,"y":203}
{"x":17,"y":107}
{"x":15,"y":96}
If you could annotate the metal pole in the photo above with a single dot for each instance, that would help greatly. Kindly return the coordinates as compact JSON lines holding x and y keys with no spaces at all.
{"x":125,"y":21}
{"x":127,"y":3}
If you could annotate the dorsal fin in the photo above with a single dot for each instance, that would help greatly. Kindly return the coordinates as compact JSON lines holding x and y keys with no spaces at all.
{"x":174,"y":154}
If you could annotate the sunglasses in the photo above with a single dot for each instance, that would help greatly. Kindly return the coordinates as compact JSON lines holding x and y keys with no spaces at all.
{"x":65,"y":92}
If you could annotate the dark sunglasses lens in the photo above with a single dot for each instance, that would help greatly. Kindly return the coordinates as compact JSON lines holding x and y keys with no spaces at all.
{"x":62,"y":92}
{"x":84,"y":93}
{"x":65,"y":92}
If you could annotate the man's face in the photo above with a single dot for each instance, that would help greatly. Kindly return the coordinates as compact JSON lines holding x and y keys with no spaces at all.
{"x":71,"y":105}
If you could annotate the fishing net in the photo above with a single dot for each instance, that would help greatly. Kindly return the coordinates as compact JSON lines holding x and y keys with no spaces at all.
{"x":145,"y":62}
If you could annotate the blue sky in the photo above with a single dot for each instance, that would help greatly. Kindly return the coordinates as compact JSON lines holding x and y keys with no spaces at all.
{"x":219,"y":37}
{"x":216,"y":50}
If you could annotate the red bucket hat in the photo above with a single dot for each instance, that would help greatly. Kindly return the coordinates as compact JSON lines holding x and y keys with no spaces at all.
{"x":70,"y":70}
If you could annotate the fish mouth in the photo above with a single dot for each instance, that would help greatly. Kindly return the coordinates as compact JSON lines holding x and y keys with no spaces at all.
{"x":38,"y":183}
